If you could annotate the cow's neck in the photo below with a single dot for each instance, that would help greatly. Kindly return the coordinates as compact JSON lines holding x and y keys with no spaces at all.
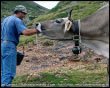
{"x":90,"y":30}
{"x":96,"y":26}
{"x":92,"y":35}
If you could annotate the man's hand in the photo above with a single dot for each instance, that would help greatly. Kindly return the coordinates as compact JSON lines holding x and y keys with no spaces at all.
{"x":38,"y":27}
{"x":31,"y":31}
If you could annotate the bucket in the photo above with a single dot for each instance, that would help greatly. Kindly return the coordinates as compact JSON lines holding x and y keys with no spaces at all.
{"x":20,"y":57}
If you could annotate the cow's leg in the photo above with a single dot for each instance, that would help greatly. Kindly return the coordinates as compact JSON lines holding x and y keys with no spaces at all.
{"x":107,"y":83}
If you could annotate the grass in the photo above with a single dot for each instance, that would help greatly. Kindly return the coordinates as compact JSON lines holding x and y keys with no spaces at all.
{"x":87,"y":7}
{"x":27,"y":60}
{"x":24,"y":40}
{"x":58,"y":79}
{"x":48,"y":43}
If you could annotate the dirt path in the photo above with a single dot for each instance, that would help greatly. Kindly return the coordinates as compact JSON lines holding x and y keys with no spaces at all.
{"x":40,"y":58}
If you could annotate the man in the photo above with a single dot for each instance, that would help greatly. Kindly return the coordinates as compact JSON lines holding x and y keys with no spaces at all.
{"x":11,"y":29}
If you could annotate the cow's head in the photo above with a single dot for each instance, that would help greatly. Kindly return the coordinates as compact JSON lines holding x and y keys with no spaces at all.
{"x":60,"y":28}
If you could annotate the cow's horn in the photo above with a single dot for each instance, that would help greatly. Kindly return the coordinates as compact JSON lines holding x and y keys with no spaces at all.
{"x":69,"y":14}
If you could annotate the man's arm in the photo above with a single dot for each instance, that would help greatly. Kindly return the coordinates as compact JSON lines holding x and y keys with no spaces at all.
{"x":30,"y":32}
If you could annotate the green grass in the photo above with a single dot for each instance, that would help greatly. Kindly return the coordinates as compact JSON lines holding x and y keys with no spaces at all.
{"x":27,"y":60}
{"x":7,"y":8}
{"x":48,"y":43}
{"x":58,"y":78}
{"x":81,"y":10}
{"x":24,"y":40}
{"x":59,"y":6}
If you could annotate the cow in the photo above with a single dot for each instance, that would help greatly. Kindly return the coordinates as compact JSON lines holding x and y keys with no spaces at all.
{"x":94,"y":31}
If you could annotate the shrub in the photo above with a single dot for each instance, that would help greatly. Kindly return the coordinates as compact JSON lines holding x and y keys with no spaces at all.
{"x":48,"y":43}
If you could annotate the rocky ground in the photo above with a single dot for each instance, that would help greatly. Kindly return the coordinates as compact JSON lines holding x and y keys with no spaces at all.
{"x":40,"y":58}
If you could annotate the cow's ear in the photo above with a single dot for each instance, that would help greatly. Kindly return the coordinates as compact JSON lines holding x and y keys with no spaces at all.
{"x":68,"y":25}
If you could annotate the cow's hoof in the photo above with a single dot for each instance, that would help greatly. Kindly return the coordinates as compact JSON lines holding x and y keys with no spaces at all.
{"x":74,"y":59}
{"x":107,"y":85}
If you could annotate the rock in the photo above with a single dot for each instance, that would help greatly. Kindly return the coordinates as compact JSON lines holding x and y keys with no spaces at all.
{"x":62,"y":58}
{"x":58,"y":75}
{"x":97,"y":59}
{"x":65,"y":79}
{"x":34,"y":58}
{"x":26,"y":55}
{"x":33,"y":68}
{"x":54,"y":62}
{"x":104,"y":61}
{"x":46,"y":57}
{"x":30,"y":49}
{"x":44,"y":65}
{"x":33,"y":75}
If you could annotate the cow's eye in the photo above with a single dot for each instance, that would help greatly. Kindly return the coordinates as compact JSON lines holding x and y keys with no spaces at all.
{"x":58,"y":21}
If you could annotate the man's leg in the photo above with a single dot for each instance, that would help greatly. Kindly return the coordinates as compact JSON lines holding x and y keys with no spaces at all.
{"x":1,"y":62}
{"x":1,"y":68}
{"x":9,"y":66}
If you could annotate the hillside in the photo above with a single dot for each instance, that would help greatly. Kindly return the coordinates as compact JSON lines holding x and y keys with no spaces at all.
{"x":81,"y":9}
{"x":50,"y":62}
{"x":34,"y":9}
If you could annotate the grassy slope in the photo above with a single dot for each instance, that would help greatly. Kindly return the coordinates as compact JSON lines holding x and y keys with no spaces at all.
{"x":81,"y":10}
{"x":7,"y":8}
{"x":62,"y":79}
